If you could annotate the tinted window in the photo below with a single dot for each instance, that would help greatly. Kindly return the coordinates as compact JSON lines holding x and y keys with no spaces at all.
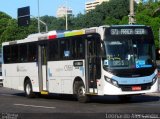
{"x":14,"y":53}
{"x":32,"y":51}
{"x":23,"y":53}
{"x":78,"y":48}
{"x":53,"y":50}
{"x":6,"y":54}
{"x":65,"y":52}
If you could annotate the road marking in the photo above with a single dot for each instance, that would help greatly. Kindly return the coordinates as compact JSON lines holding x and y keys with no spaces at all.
{"x":7,"y":95}
{"x":34,"y":106}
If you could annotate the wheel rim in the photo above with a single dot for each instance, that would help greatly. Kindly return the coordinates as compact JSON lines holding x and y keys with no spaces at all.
{"x":28,"y":89}
{"x":81,"y":91}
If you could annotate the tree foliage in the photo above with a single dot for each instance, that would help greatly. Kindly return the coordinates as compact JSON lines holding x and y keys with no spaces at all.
{"x":147,"y":14}
{"x":4,"y":20}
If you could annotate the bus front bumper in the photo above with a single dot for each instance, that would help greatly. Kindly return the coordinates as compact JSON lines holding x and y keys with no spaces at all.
{"x":110,"y":89}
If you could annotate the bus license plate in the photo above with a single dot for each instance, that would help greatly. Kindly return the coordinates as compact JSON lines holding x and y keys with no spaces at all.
{"x":136,"y":88}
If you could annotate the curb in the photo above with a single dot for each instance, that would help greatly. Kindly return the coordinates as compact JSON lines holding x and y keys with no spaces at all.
{"x":154,"y":94}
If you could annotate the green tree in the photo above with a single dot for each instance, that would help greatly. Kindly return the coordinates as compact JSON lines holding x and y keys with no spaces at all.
{"x":147,"y":14}
{"x":4,"y":19}
{"x":13,"y":32}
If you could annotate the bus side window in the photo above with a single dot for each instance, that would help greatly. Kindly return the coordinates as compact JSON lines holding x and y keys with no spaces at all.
{"x":65,"y":52}
{"x":14,"y":54}
{"x":6,"y":54}
{"x":78,"y":47}
{"x":32,"y":51}
{"x":53,"y":50}
{"x":23,"y":53}
{"x":81,"y":48}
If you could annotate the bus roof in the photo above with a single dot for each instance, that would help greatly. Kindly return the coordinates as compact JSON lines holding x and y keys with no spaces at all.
{"x":52,"y":35}
{"x":60,"y":34}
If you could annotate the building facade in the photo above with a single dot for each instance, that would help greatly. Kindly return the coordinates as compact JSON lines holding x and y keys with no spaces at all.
{"x":92,"y":4}
{"x":61,"y":12}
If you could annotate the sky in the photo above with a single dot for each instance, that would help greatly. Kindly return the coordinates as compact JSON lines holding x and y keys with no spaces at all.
{"x":47,"y":7}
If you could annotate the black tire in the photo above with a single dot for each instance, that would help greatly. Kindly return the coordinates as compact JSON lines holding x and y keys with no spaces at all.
{"x":79,"y":90}
{"x":125,"y":98}
{"x":28,"y":89}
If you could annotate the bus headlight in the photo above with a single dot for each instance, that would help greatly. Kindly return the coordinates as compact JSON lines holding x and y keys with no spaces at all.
{"x":154,"y":79}
{"x":113,"y":82}
{"x":107,"y":79}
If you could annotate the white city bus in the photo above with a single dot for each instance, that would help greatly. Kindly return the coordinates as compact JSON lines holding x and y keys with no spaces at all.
{"x":106,"y":60}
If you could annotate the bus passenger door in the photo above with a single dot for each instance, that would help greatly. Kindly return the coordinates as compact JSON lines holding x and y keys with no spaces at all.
{"x":93,"y":64}
{"x":42,"y":67}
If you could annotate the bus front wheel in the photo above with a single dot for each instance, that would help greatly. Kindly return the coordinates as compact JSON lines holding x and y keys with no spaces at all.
{"x":28,"y":89}
{"x":79,"y":89}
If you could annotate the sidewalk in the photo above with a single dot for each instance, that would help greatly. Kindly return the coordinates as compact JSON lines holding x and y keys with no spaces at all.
{"x":154,"y":94}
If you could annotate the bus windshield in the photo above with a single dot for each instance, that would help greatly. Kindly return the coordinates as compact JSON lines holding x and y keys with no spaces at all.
{"x":126,"y":53}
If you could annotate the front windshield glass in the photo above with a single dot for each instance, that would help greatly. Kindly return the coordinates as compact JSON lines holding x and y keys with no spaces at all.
{"x":128,"y":54}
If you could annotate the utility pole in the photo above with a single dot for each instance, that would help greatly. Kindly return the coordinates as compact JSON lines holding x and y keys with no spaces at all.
{"x":66,"y":16}
{"x":132,"y":15}
{"x":38,"y":19}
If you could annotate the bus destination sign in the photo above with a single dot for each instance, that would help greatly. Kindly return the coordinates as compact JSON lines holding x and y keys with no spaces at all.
{"x":138,"y":31}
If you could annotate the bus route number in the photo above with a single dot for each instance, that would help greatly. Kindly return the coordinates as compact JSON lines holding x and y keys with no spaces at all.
{"x":137,"y":31}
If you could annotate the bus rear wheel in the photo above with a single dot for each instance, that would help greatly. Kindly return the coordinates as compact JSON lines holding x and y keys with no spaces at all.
{"x":28,"y":89}
{"x":79,"y":89}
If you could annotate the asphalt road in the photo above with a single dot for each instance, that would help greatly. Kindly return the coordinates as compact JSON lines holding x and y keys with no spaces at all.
{"x":13,"y":103}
